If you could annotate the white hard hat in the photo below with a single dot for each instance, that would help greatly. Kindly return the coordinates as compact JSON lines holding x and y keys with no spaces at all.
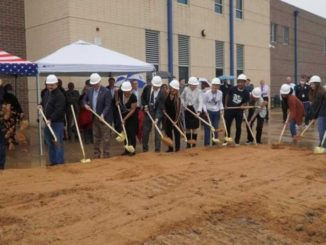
{"x":315,"y":79}
{"x":51,"y":79}
{"x":94,"y":78}
{"x":242,"y":77}
{"x":126,"y":86}
{"x":256,"y":93}
{"x":193,"y":81}
{"x":216,"y":81}
{"x":285,"y":89}
{"x":157,"y":81}
{"x":175,"y":84}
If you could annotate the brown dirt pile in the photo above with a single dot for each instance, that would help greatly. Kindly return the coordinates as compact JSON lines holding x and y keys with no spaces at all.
{"x":247,"y":195}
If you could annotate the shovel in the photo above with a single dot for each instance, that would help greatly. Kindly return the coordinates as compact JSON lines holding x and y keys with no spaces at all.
{"x":166,"y":140}
{"x":201,"y":119}
{"x":320,"y":149}
{"x":129,"y":148}
{"x":120,"y":137}
{"x":227,"y":138}
{"x":192,"y":142}
{"x":278,"y":144}
{"x":84,"y":160}
{"x":55,"y":140}
{"x":250,"y":129}
{"x":239,"y":107}
{"x":300,"y":137}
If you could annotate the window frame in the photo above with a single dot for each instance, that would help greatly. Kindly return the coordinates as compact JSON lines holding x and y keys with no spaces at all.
{"x":239,"y":11}
{"x":273,"y":37}
{"x":220,"y":5}
{"x":184,"y":2}
{"x":286,"y":29}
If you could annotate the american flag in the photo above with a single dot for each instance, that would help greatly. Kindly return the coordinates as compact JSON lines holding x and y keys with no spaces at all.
{"x":14,"y":65}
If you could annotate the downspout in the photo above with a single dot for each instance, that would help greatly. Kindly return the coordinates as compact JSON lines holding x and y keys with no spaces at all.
{"x":170,"y":35}
{"x":231,"y":30}
{"x":295,"y":14}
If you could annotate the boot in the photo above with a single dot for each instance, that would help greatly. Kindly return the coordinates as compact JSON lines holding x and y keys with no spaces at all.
{"x":188,"y":135}
{"x":194,"y":137}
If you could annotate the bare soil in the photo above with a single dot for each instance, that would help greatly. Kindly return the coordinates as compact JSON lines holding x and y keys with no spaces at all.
{"x":243,"y":195}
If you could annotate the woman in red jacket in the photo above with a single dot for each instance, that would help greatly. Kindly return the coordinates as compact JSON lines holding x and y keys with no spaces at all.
{"x":296,"y":109}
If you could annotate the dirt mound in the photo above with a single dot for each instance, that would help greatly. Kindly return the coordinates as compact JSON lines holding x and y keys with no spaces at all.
{"x":247,"y":195}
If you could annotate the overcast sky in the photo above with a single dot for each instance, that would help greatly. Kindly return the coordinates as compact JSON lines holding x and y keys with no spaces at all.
{"x":314,"y":6}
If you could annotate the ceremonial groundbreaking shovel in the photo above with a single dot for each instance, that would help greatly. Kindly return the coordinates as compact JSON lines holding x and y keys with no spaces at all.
{"x":166,"y":140}
{"x":55,"y":140}
{"x":84,"y":160}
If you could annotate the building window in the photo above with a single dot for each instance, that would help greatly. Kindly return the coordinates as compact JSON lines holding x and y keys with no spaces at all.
{"x":183,"y":44}
{"x":219,"y":6}
{"x":273,"y":33}
{"x":286,"y":35}
{"x":239,"y":9}
{"x":240,"y":59}
{"x":152,"y":46}
{"x":219,"y":58}
{"x":183,"y":1}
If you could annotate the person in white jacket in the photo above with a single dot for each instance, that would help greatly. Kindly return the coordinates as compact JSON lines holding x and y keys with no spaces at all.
{"x":191,"y":99}
{"x":213,"y":107}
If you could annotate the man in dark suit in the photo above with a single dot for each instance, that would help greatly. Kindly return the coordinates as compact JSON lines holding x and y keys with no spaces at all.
{"x":99,"y":99}
{"x":152,"y":100}
{"x":114,"y":93}
{"x":2,"y":133}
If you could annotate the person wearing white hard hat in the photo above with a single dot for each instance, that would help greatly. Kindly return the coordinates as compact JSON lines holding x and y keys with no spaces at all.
{"x":317,"y":96}
{"x":99,"y":99}
{"x":295,"y":107}
{"x":127,"y":101}
{"x":172,"y":107}
{"x":284,"y":105}
{"x":213,"y":107}
{"x":259,"y":113}
{"x":192,"y":99}
{"x":54,"y":106}
{"x":237,"y":97}
{"x":152,"y":101}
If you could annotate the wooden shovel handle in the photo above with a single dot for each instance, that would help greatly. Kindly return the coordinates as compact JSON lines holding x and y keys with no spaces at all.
{"x":49,"y":126}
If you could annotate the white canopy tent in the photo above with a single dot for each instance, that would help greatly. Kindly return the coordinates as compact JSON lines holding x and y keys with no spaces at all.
{"x":81,"y":59}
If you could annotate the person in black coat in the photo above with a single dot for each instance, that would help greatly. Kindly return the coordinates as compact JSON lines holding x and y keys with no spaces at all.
{"x":53,"y":105}
{"x":302,"y":92}
{"x":2,"y":133}
{"x":152,"y":100}
{"x":72,"y":96}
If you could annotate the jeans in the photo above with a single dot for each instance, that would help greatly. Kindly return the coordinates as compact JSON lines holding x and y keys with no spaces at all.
{"x":215,"y":118}
{"x":306,"y":106}
{"x":321,"y":129}
{"x":56,"y":151}
{"x":147,"y":125}
{"x":2,"y":150}
{"x":238,"y":116}
{"x":293,"y":128}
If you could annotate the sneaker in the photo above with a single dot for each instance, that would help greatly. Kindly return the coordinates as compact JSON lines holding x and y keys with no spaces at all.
{"x":249,"y":142}
{"x":236,"y":145}
{"x":224,"y":144}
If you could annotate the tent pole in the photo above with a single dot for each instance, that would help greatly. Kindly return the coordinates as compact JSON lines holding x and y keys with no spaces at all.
{"x":38,"y":99}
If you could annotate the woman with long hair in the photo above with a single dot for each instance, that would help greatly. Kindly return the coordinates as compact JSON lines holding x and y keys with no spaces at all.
{"x":317,"y":97}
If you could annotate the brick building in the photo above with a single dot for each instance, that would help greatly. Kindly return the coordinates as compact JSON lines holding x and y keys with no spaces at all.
{"x":311,"y":44}
{"x":13,"y":40}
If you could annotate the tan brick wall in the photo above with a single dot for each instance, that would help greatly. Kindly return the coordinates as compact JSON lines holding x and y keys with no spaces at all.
{"x":122,"y":26}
